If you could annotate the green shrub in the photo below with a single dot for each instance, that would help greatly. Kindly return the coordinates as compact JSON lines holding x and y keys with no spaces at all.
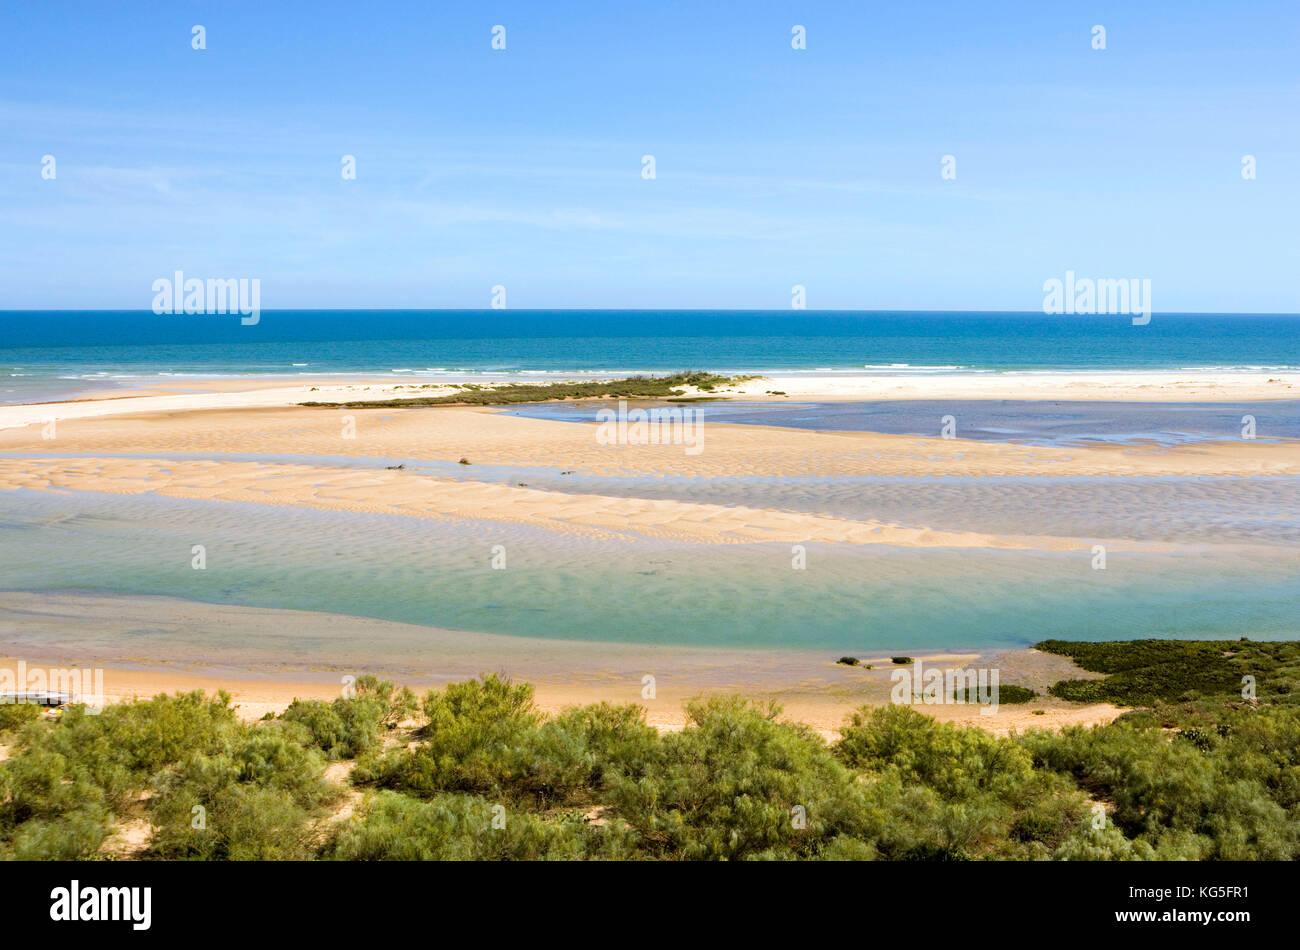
{"x":955,"y":762}
{"x":485,"y":737}
{"x":14,"y":716}
{"x":955,"y":793}
{"x":1144,"y":672}
{"x":470,"y":743}
{"x":1104,"y":844}
{"x":1035,"y":827}
{"x":239,"y":823}
{"x":568,"y":759}
{"x":76,"y":834}
{"x":735,"y":783}
{"x":1229,"y":797}
{"x":1008,"y":693}
{"x":47,"y":801}
{"x":126,"y":743}
{"x":254,"y":801}
{"x":1204,"y":777}
{"x":447,"y":827}
{"x":69,"y":778}
{"x":352,"y":725}
{"x":633,"y":387}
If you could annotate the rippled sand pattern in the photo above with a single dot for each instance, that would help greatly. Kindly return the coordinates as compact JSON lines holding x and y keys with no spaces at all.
{"x":771,"y":538}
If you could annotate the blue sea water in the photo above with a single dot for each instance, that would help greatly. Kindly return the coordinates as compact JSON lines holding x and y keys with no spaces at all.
{"x":55,"y":354}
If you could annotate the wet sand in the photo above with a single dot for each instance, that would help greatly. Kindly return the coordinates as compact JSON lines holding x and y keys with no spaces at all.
{"x":92,"y":631}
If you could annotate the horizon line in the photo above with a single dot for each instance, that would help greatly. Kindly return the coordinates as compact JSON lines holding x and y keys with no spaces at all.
{"x":265,"y":310}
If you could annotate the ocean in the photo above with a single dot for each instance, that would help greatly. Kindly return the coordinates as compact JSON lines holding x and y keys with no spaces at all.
{"x":57,"y":354}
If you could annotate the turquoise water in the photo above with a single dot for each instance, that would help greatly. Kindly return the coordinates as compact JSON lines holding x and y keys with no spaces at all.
{"x":439,"y":574}
{"x":54,"y":354}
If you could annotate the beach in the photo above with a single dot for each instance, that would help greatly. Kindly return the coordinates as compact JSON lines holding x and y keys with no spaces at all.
{"x":447,"y":435}
{"x":249,"y":446}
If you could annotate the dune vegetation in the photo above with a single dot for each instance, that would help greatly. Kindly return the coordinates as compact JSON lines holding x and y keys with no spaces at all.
{"x":473,"y":394}
{"x":1203,"y":767}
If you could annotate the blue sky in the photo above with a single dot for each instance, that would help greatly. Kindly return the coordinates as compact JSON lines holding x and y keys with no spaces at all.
{"x":774,"y":167}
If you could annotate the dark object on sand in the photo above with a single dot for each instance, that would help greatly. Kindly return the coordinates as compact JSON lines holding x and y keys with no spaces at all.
{"x":41,"y":697}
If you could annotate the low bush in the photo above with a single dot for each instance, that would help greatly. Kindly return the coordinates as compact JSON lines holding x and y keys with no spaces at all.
{"x":1145,"y":672}
{"x":16,"y":715}
{"x":736,"y":783}
{"x":632,"y":387}
{"x":488,"y":777}
{"x":351,"y":726}
{"x":1006,"y":693}
{"x":252,"y":801}
{"x":448,"y":827}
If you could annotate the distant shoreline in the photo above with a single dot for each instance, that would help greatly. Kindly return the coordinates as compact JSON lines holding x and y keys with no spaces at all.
{"x":168,"y":394}
{"x":45,"y":357}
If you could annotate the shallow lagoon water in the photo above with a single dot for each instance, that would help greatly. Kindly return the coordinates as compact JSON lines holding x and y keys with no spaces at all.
{"x":439,"y":574}
{"x":1030,"y":422}
{"x":1233,"y":569}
